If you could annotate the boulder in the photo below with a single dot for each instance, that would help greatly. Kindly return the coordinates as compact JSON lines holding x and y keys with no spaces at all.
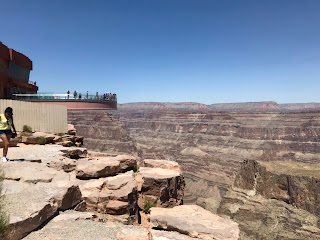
{"x":34,"y":138}
{"x":49,"y":137}
{"x":112,"y":195}
{"x":116,"y":207}
{"x":71,"y":138}
{"x":66,"y":143}
{"x":194,"y":221}
{"x":75,"y":153}
{"x":79,"y":139}
{"x":57,"y":139}
{"x":29,"y":139}
{"x":105,"y":166}
{"x":71,"y":129}
{"x":43,"y":201}
{"x":166,"y":186}
{"x":65,"y":164}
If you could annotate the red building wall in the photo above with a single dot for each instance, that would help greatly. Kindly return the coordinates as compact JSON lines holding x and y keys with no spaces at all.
{"x":20,"y":59}
{"x":6,"y":83}
{"x":4,"y":70}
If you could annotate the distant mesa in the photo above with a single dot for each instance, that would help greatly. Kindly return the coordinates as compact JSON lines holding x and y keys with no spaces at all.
{"x":265,"y":106}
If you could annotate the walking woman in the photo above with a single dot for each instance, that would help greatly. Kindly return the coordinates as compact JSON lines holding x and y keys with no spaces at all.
{"x":6,"y":123}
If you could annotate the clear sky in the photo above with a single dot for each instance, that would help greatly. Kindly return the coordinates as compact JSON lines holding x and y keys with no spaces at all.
{"x":207,"y":51}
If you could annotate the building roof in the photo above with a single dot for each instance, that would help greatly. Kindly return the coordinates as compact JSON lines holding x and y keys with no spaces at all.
{"x":14,"y":56}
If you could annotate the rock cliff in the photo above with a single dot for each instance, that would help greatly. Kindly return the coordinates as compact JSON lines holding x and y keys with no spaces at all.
{"x":210,"y":146}
{"x":102,"y":132}
{"x":275,"y":200}
{"x":72,"y":193}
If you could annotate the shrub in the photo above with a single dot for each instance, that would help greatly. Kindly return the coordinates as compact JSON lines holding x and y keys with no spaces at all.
{"x":136,"y":170}
{"x":42,"y":140}
{"x":147,"y":206}
{"x":4,"y":218}
{"x":27,"y":128}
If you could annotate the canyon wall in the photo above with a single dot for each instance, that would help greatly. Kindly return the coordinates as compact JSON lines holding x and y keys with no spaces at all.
{"x":210,"y":146}
{"x":102,"y":132}
{"x":275,"y":200}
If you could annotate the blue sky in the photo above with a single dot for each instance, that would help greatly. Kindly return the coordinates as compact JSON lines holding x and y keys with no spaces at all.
{"x":207,"y":51}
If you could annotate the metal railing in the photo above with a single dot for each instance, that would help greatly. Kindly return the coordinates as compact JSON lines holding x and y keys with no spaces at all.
{"x":65,"y":97}
{"x":33,"y":83}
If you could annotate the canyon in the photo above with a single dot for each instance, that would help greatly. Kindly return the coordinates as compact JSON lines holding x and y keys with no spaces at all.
{"x":211,"y":143}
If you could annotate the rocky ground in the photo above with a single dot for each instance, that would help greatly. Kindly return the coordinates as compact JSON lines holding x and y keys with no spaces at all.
{"x":56,"y":192}
{"x":102,"y":132}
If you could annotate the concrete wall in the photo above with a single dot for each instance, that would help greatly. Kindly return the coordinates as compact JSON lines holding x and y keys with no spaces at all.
{"x":41,"y":117}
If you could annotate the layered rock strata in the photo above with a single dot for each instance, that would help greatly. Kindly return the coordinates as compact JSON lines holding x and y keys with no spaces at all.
{"x":162,"y":186}
{"x":210,"y":146}
{"x":102,"y":132}
{"x":275,"y":200}
{"x":112,"y":195}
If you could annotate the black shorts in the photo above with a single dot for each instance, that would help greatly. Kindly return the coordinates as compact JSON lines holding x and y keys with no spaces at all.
{"x":5,"y":132}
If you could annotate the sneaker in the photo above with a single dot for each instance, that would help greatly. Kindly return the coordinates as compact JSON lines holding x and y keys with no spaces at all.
{"x":4,"y":159}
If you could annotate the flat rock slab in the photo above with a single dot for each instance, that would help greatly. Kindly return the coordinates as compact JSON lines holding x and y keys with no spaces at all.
{"x":158,"y":173}
{"x":46,"y":153}
{"x":195,"y":222}
{"x":72,"y":215}
{"x":115,"y":207}
{"x":88,"y":230}
{"x":27,"y":171}
{"x":169,"y":235}
{"x":165,"y":164}
{"x":30,"y":205}
{"x":105,"y":166}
